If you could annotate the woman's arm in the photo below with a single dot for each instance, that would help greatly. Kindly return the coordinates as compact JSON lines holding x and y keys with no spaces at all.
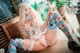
{"x":23,"y":32}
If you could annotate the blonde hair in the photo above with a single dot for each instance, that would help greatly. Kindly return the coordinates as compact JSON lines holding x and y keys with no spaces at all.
{"x":23,"y":17}
{"x":22,"y":7}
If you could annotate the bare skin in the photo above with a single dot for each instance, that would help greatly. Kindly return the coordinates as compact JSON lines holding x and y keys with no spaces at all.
{"x":49,"y":35}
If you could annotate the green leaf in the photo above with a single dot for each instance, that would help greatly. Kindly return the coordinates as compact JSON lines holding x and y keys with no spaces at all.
{"x":35,"y":6}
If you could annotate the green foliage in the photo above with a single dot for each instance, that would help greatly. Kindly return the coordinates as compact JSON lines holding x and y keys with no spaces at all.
{"x":52,"y":1}
{"x":60,"y":3}
{"x":35,"y":6}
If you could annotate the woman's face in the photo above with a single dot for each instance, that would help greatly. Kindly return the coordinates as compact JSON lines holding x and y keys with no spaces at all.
{"x":27,"y":10}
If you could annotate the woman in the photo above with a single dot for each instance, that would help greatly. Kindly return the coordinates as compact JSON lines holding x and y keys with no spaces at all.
{"x":41,"y":36}
{"x":31,"y":27}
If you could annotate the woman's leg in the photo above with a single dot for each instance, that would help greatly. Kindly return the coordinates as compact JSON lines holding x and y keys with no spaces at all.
{"x":62,"y":11}
{"x":61,"y":24}
{"x":18,"y":43}
{"x":13,"y":44}
{"x":38,"y":46}
{"x":45,"y":40}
